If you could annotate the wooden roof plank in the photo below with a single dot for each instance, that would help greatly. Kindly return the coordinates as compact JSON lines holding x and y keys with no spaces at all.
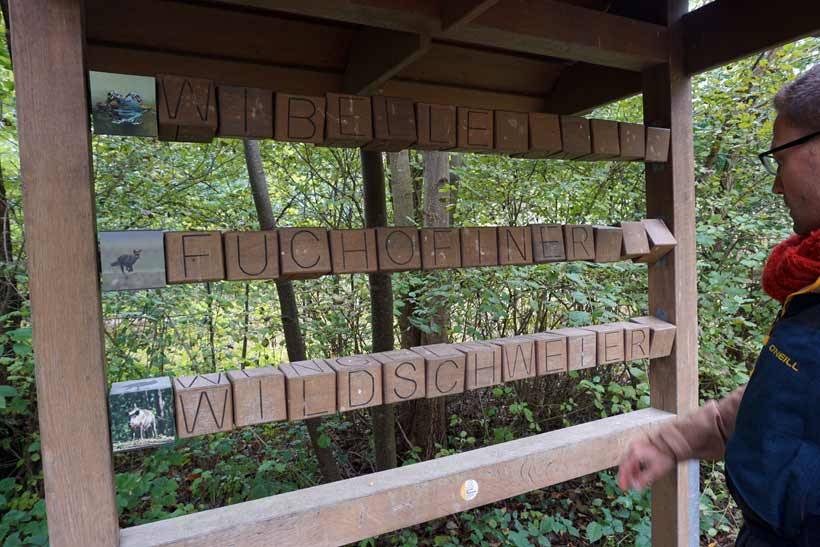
{"x":377,"y":55}
{"x":583,"y":87}
{"x":727,"y":30}
{"x":457,"y":13}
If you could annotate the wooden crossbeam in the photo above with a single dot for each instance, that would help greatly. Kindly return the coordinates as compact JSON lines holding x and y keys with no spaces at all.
{"x":726,"y":30}
{"x":582,"y":87}
{"x":546,"y":27}
{"x":457,"y":13}
{"x":376,"y":55}
{"x":361,"y":507}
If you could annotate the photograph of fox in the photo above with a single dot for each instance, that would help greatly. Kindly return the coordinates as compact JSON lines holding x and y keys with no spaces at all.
{"x":132,"y":260}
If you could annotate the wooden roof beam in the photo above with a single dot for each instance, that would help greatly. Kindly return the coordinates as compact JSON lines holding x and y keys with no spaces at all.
{"x":583,"y":87}
{"x":457,"y":13}
{"x":727,"y":30}
{"x":540,"y":27}
{"x":376,"y":55}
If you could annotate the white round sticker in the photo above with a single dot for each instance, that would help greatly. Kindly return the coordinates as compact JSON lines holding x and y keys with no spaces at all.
{"x":469,"y":490}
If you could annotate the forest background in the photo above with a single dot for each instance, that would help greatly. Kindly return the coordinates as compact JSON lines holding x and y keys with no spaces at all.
{"x":142,"y":183}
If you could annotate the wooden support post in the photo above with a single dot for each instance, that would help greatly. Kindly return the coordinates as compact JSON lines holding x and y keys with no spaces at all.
{"x":670,"y":195}
{"x":58,"y":204}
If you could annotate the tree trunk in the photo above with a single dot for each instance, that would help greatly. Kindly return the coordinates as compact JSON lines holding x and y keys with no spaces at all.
{"x":294,"y":341}
{"x":381,"y":307}
{"x":429,"y":426}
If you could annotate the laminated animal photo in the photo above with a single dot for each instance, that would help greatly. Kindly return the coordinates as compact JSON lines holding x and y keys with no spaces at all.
{"x":123,"y":104}
{"x":132,"y":260}
{"x":141,"y":413}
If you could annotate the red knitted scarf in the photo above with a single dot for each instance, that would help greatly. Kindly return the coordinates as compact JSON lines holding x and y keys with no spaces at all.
{"x":793,"y":265}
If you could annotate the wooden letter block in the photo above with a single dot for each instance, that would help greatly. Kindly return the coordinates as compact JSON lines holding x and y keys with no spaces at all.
{"x":251,"y":255}
{"x":193,"y":256}
{"x":203,"y":404}
{"x":661,"y":240}
{"x":579,"y":240}
{"x":514,"y":245}
{"x":300,"y":118}
{"x":305,"y":252}
{"x":186,"y":108}
{"x":550,"y":352}
{"x":518,"y":359}
{"x":547,"y":243}
{"x":354,"y":251}
{"x":475,"y":130}
{"x":608,"y":241}
{"x":446,"y":368}
{"x":661,"y":335}
{"x":581,"y":347}
{"x":311,"y":389}
{"x":398,"y":249}
{"x":632,"y":137}
{"x":575,"y":138}
{"x":403,"y":374}
{"x":245,"y":112}
{"x":636,"y":341}
{"x":394,"y":124}
{"x":440,"y":248}
{"x":657,"y":144}
{"x":258,"y":395}
{"x":358,"y":381}
{"x":544,"y":135}
{"x":141,"y":413}
{"x":605,"y":141}
{"x":511,"y":132}
{"x":610,"y":340}
{"x":479,"y":247}
{"x":349,"y":120}
{"x":436,"y":126}
{"x":483,"y":364}
{"x":636,"y":242}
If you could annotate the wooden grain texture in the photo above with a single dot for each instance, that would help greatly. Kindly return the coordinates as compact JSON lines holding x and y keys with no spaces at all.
{"x":186,"y":108}
{"x":394,"y":124}
{"x":446,"y":367}
{"x":576,"y":140}
{"x":403,"y":374}
{"x":544,"y":135}
{"x":398,"y":249}
{"x":299,"y":118}
{"x":511,"y":132}
{"x":310,"y":388}
{"x":601,"y":84}
{"x":604,"y":139}
{"x":661,"y":240}
{"x":353,"y":251}
{"x":608,"y":243}
{"x":657,"y":144}
{"x":58,"y":208}
{"x":479,"y":246}
{"x":610,"y":343}
{"x":474,"y":132}
{"x":204,"y":404}
{"x":440,"y":248}
{"x":635,"y":240}
{"x":548,"y":243}
{"x":579,"y":241}
{"x":483,"y":364}
{"x":632,"y":138}
{"x":376,"y":55}
{"x":670,"y":196}
{"x":245,"y":112}
{"x":193,"y":257}
{"x":550,"y":352}
{"x":258,"y":395}
{"x":304,"y":252}
{"x":581,"y":347}
{"x":350,"y":510}
{"x":251,"y":255}
{"x":723,"y":31}
{"x":348,"y":120}
{"x":358,"y":381}
{"x":637,"y":340}
{"x":436,"y":125}
{"x":514,"y":245}
{"x":518,"y":359}
{"x":661,"y":335}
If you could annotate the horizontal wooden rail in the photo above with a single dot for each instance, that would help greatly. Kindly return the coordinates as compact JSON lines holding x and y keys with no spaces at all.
{"x":361,"y":507}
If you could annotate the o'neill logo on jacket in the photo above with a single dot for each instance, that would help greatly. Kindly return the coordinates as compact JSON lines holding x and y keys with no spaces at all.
{"x":783,"y":358}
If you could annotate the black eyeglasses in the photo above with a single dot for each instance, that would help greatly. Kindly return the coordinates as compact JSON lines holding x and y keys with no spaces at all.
{"x":768,"y":160}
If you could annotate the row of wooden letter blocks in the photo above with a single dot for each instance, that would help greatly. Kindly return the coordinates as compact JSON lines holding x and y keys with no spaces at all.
{"x":299,"y":253}
{"x":196,"y":110}
{"x":306,"y":389}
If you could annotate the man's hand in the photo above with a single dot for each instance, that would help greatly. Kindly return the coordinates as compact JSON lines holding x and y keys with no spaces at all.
{"x":642,"y":465}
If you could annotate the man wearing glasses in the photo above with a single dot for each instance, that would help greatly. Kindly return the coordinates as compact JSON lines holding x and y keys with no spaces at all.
{"x":768,"y":430}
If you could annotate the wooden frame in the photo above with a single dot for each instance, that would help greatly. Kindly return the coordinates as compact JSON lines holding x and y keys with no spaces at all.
{"x":507,"y":59}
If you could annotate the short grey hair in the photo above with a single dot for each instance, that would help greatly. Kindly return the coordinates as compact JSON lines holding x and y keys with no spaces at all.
{"x":799,"y":101}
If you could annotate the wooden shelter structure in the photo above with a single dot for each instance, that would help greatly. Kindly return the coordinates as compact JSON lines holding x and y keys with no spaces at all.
{"x":560,"y":56}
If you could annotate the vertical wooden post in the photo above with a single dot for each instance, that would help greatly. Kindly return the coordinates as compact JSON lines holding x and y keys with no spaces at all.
{"x":58,"y":202}
{"x":670,"y":195}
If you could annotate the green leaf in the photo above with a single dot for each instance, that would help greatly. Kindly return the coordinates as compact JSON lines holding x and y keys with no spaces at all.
{"x":594,"y":532}
{"x":323,"y":441}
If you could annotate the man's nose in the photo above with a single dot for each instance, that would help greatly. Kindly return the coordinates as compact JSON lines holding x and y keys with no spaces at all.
{"x":777,"y":187}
